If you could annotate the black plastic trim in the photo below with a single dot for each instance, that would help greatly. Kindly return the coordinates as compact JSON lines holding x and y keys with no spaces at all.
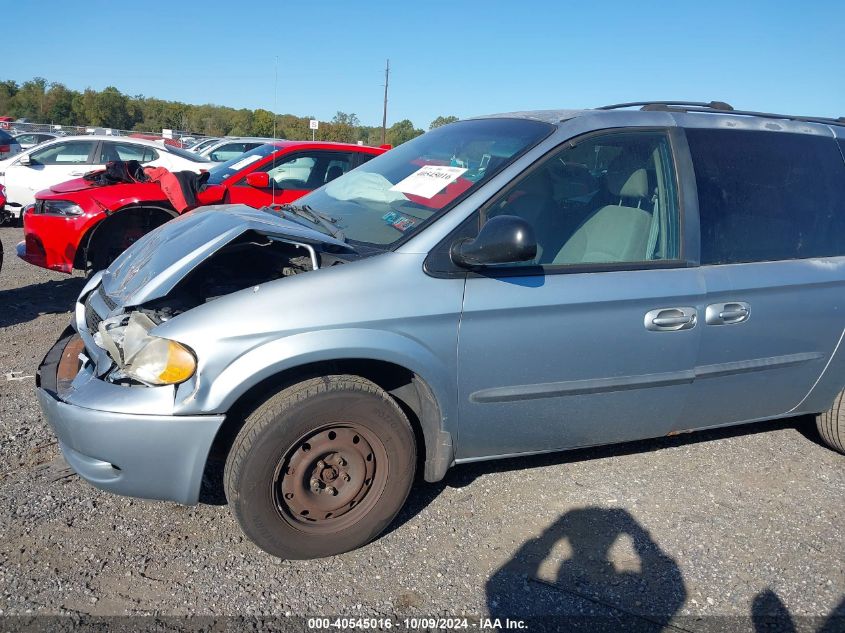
{"x":46,"y":374}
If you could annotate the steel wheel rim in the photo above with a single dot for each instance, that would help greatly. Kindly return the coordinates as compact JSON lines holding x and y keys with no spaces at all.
{"x":330,"y":478}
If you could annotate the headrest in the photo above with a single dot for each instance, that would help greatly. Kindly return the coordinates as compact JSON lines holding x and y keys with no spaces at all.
{"x":628,"y":185}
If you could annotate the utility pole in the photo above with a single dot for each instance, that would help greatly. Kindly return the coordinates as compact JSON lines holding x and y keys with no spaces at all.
{"x":384,"y":116}
{"x":275,"y":95}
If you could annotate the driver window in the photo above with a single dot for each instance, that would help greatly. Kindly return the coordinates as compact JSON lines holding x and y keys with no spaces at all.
{"x":605,"y":199}
{"x":307,"y":170}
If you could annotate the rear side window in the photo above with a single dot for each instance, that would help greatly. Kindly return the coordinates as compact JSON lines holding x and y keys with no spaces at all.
{"x":765,"y":196}
{"x":126,"y":151}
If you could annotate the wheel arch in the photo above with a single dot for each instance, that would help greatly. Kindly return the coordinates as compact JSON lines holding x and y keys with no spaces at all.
{"x":111,"y":221}
{"x":409,"y":389}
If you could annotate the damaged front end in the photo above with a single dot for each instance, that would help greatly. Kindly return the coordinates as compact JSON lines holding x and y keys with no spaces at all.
{"x":114,"y":386}
{"x":191,"y":261}
{"x":140,"y":356}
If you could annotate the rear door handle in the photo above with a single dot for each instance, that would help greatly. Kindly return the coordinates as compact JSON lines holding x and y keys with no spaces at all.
{"x":670,"y":319}
{"x":727,"y":313}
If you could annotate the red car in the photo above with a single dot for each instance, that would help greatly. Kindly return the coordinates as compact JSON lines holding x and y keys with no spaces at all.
{"x":79,"y":225}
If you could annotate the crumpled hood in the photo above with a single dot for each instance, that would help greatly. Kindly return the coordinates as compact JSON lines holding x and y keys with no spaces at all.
{"x":153,"y":265}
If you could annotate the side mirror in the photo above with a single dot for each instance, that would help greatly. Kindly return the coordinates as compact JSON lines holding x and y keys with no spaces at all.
{"x":260,"y":179}
{"x":24,"y":160}
{"x":503,"y":239}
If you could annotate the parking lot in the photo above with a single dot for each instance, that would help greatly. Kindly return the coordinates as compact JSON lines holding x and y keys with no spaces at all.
{"x":743,"y":522}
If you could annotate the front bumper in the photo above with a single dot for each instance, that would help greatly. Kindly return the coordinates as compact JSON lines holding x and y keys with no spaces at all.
{"x":133,"y":454}
{"x":50,"y":241}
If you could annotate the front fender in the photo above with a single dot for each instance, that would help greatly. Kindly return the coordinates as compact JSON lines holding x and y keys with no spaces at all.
{"x":271,"y":358}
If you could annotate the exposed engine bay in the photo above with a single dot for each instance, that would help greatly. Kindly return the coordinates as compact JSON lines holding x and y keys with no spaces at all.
{"x":248,"y":261}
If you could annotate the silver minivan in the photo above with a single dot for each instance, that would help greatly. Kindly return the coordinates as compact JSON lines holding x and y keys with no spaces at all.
{"x":506,"y":285}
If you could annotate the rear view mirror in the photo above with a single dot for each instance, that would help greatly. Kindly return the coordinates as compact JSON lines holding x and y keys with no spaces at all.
{"x":259,"y":179}
{"x":503,"y":239}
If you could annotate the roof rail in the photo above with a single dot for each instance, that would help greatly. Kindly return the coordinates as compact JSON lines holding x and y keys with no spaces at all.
{"x":719,"y":107}
{"x":647,"y":105}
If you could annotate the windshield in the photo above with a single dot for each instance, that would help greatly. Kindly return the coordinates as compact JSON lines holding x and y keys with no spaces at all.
{"x":232,"y":166}
{"x":395,"y":194}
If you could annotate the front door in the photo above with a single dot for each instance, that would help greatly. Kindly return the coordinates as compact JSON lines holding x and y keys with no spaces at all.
{"x":48,"y":166}
{"x":291,"y":177}
{"x":594,"y":341}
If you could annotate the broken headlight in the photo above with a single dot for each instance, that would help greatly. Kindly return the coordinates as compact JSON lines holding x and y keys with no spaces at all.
{"x":148,"y":359}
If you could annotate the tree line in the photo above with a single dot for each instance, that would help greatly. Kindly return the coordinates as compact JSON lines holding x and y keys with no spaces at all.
{"x":52,"y":102}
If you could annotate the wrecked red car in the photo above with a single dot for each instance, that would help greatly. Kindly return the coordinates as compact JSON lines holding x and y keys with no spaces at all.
{"x":82,"y":225}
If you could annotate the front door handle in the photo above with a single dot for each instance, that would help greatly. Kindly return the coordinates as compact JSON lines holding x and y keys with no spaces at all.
{"x":670,"y":319}
{"x":727,"y":313}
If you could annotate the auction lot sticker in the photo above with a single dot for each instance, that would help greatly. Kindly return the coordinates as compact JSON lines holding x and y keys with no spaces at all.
{"x":428,"y":181}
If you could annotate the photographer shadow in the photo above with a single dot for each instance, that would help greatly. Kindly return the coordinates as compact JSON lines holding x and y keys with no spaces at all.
{"x":594,"y":569}
{"x":770,"y":615}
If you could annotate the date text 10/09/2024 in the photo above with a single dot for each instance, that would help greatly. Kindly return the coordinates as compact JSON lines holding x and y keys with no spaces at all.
{"x":328,"y":624}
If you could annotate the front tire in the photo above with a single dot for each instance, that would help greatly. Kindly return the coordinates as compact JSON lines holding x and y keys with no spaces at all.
{"x":320,"y":468}
{"x":831,"y":424}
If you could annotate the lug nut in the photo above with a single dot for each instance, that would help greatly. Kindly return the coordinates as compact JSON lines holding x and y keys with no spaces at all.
{"x":341,"y":461}
{"x":321,"y":464}
{"x":331,"y":490}
{"x":345,"y":477}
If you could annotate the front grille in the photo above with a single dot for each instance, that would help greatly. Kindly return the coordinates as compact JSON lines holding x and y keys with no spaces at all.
{"x":92,"y":319}
{"x":106,"y":299}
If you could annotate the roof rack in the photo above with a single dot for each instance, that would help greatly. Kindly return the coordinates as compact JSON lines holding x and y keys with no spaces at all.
{"x":718,"y":107}
{"x":648,"y":105}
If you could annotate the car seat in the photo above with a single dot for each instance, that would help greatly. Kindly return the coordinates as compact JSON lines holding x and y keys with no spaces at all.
{"x":534,"y":201}
{"x":615,"y":232}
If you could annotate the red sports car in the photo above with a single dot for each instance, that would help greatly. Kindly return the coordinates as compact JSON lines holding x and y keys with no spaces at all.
{"x":77,"y":224}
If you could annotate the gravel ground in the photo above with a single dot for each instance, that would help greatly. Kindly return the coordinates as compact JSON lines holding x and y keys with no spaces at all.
{"x":742,"y":522}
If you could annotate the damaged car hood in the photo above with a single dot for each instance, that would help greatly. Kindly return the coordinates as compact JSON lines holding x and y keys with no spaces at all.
{"x":151,"y":268}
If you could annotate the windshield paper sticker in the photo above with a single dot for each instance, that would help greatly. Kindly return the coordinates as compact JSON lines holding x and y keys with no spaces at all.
{"x":398,"y":221}
{"x":428,"y":181}
{"x":244,"y":162}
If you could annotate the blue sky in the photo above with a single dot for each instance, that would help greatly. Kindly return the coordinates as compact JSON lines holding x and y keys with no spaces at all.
{"x":461,"y":58}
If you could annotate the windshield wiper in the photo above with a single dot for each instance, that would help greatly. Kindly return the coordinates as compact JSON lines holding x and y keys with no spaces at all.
{"x":326,"y":221}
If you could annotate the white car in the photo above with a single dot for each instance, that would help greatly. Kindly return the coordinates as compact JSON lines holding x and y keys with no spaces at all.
{"x":31,"y":139}
{"x":202,"y":144}
{"x":70,"y":157}
{"x":232,"y":146}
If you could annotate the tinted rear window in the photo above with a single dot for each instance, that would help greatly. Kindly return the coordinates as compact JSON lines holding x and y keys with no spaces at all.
{"x":766,"y":196}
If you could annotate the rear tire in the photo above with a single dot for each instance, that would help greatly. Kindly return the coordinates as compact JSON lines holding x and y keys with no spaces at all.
{"x":831,"y":424}
{"x":320,"y":468}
